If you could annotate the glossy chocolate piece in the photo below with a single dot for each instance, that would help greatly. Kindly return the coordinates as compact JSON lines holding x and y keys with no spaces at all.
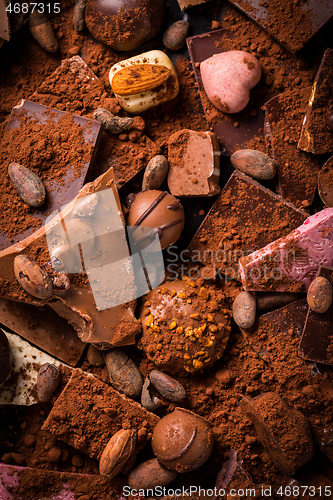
{"x":43,"y":328}
{"x":316,"y":134}
{"x":243,"y":204}
{"x":297,"y":185}
{"x":124,"y":25}
{"x":158,"y":211}
{"x":232,"y":138}
{"x":83,"y":305}
{"x":194,"y":163}
{"x":5,"y":357}
{"x":71,"y":183}
{"x":292,"y":24}
{"x":317,"y":338}
{"x":325,"y":182}
{"x":182,"y":440}
{"x":95,"y":396}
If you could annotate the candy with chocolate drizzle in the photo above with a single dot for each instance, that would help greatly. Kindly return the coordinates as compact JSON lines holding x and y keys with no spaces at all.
{"x":159,"y":211}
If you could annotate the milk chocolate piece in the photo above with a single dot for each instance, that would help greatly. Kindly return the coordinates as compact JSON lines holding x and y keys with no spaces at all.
{"x":44,"y":328}
{"x":97,"y":314}
{"x":283,"y":431}
{"x":316,"y":137}
{"x":243,"y":217}
{"x":317,"y":338}
{"x":75,"y":413}
{"x":194,"y":163}
{"x":71,"y":184}
{"x":291,"y":263}
{"x":297,"y":171}
{"x":202,"y":47}
{"x":292,"y":24}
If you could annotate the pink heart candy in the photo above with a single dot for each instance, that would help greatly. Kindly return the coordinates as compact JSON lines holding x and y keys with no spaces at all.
{"x":228,"y":78}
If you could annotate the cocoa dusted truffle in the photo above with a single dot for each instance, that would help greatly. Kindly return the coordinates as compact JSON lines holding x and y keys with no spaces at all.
{"x":185,"y":325}
{"x":182,"y":440}
{"x":159,"y":211}
{"x":5,"y":357}
{"x":124,"y":25}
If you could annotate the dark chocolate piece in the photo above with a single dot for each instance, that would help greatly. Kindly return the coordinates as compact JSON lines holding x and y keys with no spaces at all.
{"x":58,"y":195}
{"x":202,"y":47}
{"x":292,"y":24}
{"x":244,"y":217}
{"x":317,"y":338}
{"x":85,"y":401}
{"x":316,"y":134}
{"x":297,"y":171}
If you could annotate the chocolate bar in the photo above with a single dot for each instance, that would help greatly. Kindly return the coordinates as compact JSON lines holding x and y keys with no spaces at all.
{"x":88,"y":413}
{"x":243,"y":217}
{"x":315,"y":136}
{"x":62,"y":182}
{"x":291,"y":263}
{"x":22,"y":482}
{"x":292,"y":24}
{"x":297,"y":171}
{"x":44,"y":328}
{"x":202,"y":47}
{"x":317,"y":338}
{"x":96,"y":314}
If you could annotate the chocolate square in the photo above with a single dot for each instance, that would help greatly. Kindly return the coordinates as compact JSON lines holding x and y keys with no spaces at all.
{"x":317,"y":338}
{"x":244,"y":217}
{"x":88,"y":413}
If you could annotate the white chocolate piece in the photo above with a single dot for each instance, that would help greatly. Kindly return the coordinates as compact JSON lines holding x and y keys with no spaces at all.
{"x":20,"y":386}
{"x":138,"y":103}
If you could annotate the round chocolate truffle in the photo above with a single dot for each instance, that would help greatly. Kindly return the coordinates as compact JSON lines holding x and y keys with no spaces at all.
{"x":158,"y":211}
{"x":186,"y":325}
{"x":124,"y":24}
{"x":182,"y":440}
{"x":5,"y":357}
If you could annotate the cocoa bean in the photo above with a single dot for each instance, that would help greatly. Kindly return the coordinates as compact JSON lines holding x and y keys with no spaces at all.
{"x":168,"y":387}
{"x":124,"y":374}
{"x":149,"y":475}
{"x":244,"y":310}
{"x":95,"y":356}
{"x":28,"y":185}
{"x":113,"y":124}
{"x":254,"y":163}
{"x":319,"y":295}
{"x":47,"y":381}
{"x":78,"y":15}
{"x":175,"y":36}
{"x":155,"y":173}
{"x":32,"y":278}
{"x":151,"y":403}
{"x":117,"y":452}
{"x":42,"y":31}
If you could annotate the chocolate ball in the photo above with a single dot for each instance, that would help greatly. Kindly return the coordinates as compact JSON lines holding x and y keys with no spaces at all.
{"x":124,"y":24}
{"x":159,"y":211}
{"x":185,"y":325}
{"x":5,"y":357}
{"x":182,"y":440}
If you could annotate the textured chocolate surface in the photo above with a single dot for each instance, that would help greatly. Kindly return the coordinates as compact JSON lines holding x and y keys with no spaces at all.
{"x":317,"y":338}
